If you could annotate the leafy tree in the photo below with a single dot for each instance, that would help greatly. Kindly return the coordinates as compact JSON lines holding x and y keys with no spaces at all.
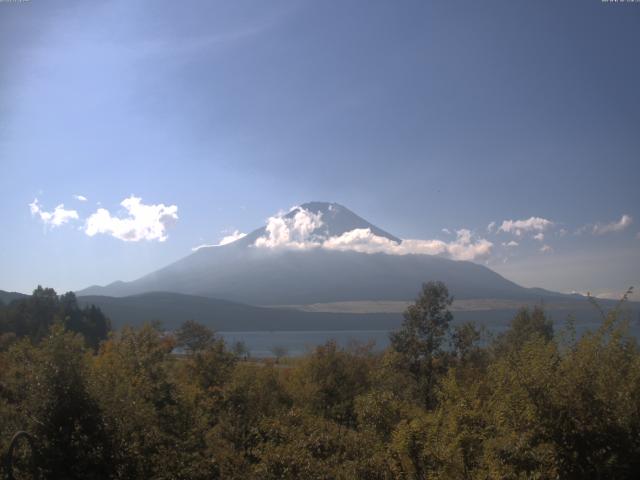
{"x":90,"y":321}
{"x":33,"y":316}
{"x":328,"y":381}
{"x":424,"y":329}
{"x":194,"y":336}
{"x":525,"y":326}
{"x":50,"y":382}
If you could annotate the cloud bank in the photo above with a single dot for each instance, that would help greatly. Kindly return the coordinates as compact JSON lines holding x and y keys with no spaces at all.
{"x":59,"y":216}
{"x":300,"y":232}
{"x":143,"y":222}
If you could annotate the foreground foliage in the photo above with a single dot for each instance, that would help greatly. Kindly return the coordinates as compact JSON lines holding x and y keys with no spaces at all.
{"x":437,"y":404}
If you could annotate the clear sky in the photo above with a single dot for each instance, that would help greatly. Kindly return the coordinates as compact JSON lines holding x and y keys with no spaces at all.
{"x":417,"y":115}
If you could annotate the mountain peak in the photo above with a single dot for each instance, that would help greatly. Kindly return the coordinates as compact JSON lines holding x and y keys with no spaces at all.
{"x":337,"y":219}
{"x":321,"y":206}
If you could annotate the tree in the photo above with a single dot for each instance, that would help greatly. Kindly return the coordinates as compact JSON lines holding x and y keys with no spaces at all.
{"x":425,"y":326}
{"x":33,"y":316}
{"x":524,"y":327}
{"x":279,"y":351}
{"x":90,"y":321}
{"x":52,"y":382}
{"x":328,"y":381}
{"x":194,"y":336}
{"x":241,"y":350}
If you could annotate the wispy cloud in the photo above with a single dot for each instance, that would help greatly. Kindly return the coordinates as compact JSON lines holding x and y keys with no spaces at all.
{"x":59,"y":216}
{"x":622,"y":224}
{"x":80,"y":198}
{"x":143,"y":222}
{"x":546,"y":249}
{"x":539,"y":236}
{"x":227,"y":239}
{"x":518,"y":227}
{"x":236,"y":235}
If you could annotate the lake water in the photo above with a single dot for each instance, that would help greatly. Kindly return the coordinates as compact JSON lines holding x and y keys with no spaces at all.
{"x":296,"y":343}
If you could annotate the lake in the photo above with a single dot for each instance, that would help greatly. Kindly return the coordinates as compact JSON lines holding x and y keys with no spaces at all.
{"x":296,"y":343}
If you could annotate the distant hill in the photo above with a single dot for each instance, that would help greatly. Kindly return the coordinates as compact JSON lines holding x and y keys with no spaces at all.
{"x":8,"y":297}
{"x":241,"y":272}
{"x":171,"y":309}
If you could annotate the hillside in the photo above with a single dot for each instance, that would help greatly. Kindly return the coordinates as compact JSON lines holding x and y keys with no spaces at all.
{"x":171,"y":309}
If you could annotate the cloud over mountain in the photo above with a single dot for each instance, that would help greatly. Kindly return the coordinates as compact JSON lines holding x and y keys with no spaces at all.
{"x":302,"y":229}
{"x":291,"y":231}
{"x":232,"y":237}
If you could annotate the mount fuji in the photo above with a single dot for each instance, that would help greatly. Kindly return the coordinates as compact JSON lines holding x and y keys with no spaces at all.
{"x":324,"y":253}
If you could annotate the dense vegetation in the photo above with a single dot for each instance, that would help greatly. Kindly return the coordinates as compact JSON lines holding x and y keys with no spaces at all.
{"x":441,"y":402}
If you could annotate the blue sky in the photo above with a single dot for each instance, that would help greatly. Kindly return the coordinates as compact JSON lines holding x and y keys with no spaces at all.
{"x":419,"y":116}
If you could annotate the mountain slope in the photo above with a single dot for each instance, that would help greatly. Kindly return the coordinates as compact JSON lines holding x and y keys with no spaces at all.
{"x":242,"y":272}
{"x":8,"y":297}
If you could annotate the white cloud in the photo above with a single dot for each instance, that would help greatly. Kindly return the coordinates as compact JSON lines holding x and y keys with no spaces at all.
{"x":144,"y":222}
{"x":364,"y":241}
{"x":491,"y":227}
{"x":299,"y":232}
{"x":446,"y":231}
{"x":204,"y":245}
{"x":518,"y":227}
{"x":463,"y":248}
{"x":624,"y":222}
{"x":546,"y":249}
{"x":236,"y":235}
{"x":539,"y":236}
{"x":58,"y":217}
{"x":80,"y":198}
{"x":512,"y":243}
{"x":291,"y":232}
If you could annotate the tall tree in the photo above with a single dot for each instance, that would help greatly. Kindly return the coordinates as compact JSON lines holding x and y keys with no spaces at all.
{"x":423,"y":331}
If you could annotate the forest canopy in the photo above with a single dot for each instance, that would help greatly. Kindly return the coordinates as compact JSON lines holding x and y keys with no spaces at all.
{"x":443,"y":401}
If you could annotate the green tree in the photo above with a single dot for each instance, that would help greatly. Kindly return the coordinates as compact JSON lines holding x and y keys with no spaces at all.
{"x":524,"y":327}
{"x":423,"y":332}
{"x":51,"y":383}
{"x":194,"y":337}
